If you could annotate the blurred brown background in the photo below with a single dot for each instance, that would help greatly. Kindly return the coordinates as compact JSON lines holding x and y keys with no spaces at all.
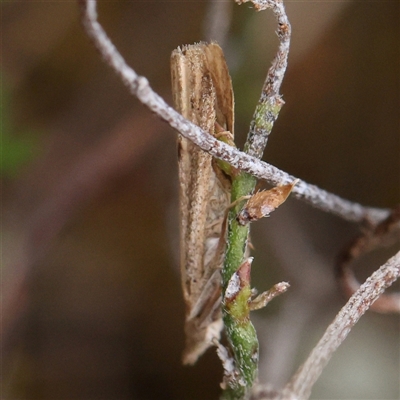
{"x":92,"y":307}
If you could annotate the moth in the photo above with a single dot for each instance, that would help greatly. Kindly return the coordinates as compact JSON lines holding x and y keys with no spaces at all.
{"x":202,"y":93}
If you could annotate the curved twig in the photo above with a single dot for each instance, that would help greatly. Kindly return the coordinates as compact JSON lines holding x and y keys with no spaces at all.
{"x":301,"y":384}
{"x":271,"y":101}
{"x":139,"y":86}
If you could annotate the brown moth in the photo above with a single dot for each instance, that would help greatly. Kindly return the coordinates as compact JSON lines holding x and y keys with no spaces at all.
{"x":202,"y":93}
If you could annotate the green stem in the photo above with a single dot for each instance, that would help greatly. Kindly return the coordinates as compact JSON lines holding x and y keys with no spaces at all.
{"x":240,"y":331}
{"x":241,"y":334}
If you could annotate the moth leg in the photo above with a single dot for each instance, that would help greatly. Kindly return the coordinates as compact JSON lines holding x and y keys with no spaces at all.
{"x":239,"y":200}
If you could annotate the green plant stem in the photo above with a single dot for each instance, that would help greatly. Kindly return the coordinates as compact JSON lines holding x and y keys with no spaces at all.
{"x":240,"y":331}
{"x":241,"y":334}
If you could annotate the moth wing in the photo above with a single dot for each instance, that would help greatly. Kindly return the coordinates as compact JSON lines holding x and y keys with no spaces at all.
{"x":203,"y":201}
{"x":223,"y":85}
{"x":194,"y":98}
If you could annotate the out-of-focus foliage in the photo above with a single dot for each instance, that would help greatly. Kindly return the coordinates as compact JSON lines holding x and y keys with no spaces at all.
{"x":17,"y":148}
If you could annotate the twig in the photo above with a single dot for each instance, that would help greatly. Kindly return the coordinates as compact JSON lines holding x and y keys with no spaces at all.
{"x":270,"y":102}
{"x":139,"y":86}
{"x":301,"y":384}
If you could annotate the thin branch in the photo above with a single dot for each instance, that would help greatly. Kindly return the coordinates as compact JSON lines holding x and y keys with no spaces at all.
{"x":302,"y":382}
{"x":139,"y":86}
{"x":270,"y":102}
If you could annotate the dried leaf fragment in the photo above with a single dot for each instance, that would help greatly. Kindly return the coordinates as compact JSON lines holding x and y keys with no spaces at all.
{"x":262,"y":203}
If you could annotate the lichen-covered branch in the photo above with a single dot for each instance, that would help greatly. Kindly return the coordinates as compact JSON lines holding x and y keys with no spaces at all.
{"x":270,"y":102}
{"x":139,"y":87}
{"x":301,"y":384}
